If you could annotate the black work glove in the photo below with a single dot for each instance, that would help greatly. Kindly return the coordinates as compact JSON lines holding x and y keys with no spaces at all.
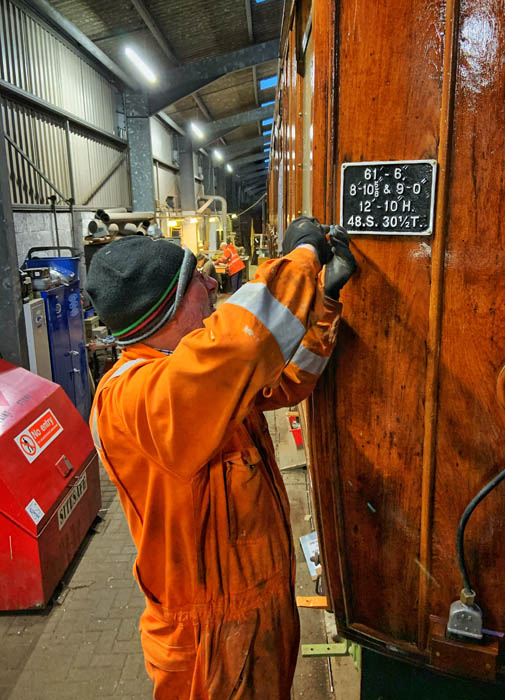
{"x":341,"y":266}
{"x":306,"y":229}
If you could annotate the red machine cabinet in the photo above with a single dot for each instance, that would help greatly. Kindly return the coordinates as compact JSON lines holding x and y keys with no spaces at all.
{"x":49,"y":486}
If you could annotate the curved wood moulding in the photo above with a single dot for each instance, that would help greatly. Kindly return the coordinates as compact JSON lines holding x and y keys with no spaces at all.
{"x":500,"y":387}
{"x":407,"y":422}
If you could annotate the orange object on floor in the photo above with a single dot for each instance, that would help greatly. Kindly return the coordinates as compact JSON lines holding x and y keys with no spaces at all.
{"x":319,"y":602}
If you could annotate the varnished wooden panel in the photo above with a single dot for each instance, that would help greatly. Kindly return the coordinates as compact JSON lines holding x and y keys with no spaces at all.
{"x":408,"y":421}
{"x":389,"y":100}
{"x":471,"y":425}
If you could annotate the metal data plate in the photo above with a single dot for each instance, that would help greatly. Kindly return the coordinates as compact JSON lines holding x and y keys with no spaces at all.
{"x":394,"y":198}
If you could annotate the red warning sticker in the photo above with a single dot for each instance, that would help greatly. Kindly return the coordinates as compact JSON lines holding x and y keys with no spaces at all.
{"x":38,"y":435}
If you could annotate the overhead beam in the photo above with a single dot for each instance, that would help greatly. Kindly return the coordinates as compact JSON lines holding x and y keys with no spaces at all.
{"x":254,"y":184}
{"x":250,"y":176}
{"x":220,"y":127}
{"x":253,"y":176}
{"x":253,"y":194}
{"x":238,"y":147}
{"x":252,"y":168}
{"x":150,"y":22}
{"x":55,"y":18}
{"x":160,"y":38}
{"x":243,"y":160}
{"x":255,"y":188}
{"x":191,"y":77}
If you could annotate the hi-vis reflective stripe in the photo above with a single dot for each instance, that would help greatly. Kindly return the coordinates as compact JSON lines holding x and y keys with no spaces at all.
{"x":94,"y":421}
{"x":94,"y":432}
{"x":309,"y":361}
{"x":279,"y":320}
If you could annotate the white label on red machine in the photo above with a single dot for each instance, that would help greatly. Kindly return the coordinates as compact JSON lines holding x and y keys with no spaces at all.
{"x":73,"y":498}
{"x":35,"y":511}
{"x":38,"y":435}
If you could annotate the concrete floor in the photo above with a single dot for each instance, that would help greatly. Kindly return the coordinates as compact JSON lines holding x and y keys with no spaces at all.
{"x":86,"y":644}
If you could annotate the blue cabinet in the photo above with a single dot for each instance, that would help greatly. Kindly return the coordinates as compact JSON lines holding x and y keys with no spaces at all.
{"x":67,"y":344}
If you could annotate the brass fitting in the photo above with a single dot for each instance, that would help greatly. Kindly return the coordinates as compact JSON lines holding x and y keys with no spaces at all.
{"x":468,"y":598}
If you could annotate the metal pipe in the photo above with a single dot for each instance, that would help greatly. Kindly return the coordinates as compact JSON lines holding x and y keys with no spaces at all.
{"x":109,"y":217}
{"x":70,"y":161}
{"x":224,"y":209}
{"x":52,"y":199}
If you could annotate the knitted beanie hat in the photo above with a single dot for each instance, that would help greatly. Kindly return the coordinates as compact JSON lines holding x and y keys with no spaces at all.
{"x":137,"y":283}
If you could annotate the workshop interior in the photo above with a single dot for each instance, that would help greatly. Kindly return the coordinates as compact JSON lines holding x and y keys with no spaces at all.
{"x":215,"y":124}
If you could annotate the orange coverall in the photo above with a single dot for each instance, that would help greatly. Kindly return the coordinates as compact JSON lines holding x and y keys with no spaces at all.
{"x":184,"y":440}
{"x":232,"y":259}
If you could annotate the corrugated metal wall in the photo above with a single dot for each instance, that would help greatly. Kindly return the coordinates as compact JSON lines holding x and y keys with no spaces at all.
{"x":166,"y":184}
{"x":94,"y":158}
{"x":44,"y":141}
{"x":36,"y":61}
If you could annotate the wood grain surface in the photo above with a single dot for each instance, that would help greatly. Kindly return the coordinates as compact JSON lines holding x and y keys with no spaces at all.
{"x":471,"y":425}
{"x":408,"y":421}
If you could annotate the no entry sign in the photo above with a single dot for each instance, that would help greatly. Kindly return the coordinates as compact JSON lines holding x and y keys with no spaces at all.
{"x":38,"y":435}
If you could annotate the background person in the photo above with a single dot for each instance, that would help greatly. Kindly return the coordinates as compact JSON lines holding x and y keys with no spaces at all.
{"x":234,"y":265}
{"x":206,"y":267}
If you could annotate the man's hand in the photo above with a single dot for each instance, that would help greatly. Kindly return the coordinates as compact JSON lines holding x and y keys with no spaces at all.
{"x":304,"y":230}
{"x":341,"y":266}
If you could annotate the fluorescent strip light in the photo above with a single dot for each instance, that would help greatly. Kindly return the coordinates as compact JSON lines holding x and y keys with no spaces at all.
{"x":229,"y":168}
{"x":197,"y":131}
{"x":139,"y":63}
{"x":218,"y":154}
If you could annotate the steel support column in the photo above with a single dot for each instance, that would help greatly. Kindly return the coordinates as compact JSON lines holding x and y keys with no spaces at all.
{"x":208,"y":177}
{"x":187,"y":174}
{"x":230,"y":193}
{"x":140,"y":151}
{"x":220,"y":181}
{"x":13,"y":337}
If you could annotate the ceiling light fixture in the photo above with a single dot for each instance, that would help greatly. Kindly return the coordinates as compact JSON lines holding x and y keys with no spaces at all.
{"x":197,"y":131}
{"x":218,"y":155}
{"x":229,"y":168}
{"x":139,"y":63}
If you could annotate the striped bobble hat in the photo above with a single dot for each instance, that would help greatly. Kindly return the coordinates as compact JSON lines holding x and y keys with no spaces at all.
{"x":137,"y":283}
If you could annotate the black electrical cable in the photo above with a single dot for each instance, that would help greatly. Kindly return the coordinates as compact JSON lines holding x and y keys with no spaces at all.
{"x":462,"y":524}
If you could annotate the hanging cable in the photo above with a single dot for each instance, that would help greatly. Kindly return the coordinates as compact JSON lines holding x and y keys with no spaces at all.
{"x":253,"y":205}
{"x":462,"y":524}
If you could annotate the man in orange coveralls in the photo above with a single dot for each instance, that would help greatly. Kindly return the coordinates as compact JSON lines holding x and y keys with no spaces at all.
{"x":234,"y":265}
{"x":179,"y":426}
